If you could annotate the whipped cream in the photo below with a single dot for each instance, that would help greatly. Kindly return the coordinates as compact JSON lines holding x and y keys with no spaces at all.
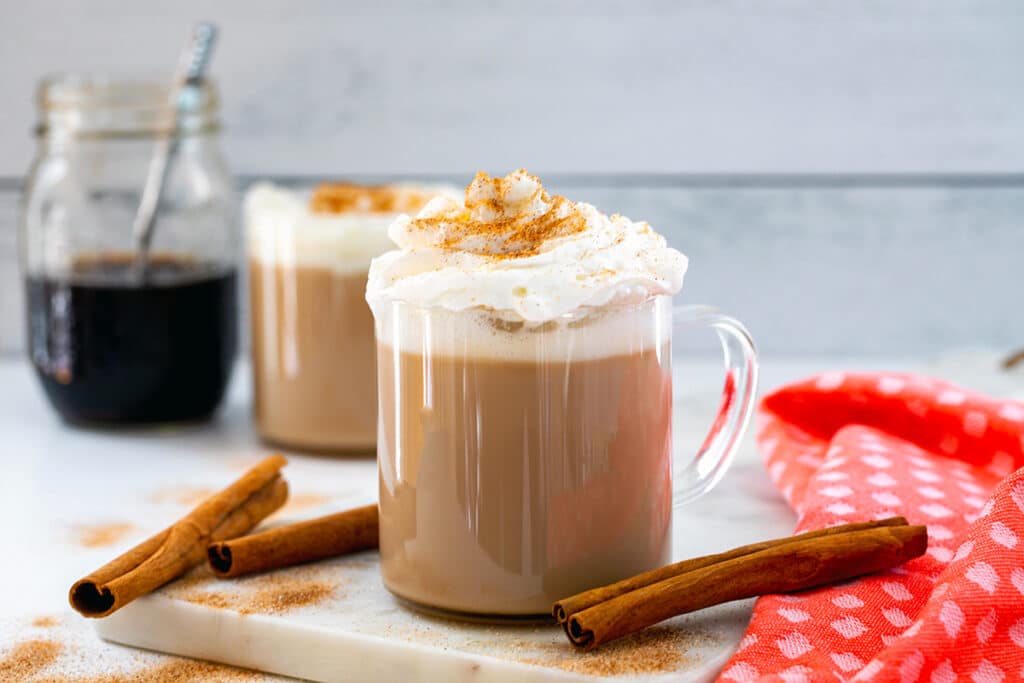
{"x":510,"y":247}
{"x":285,"y":227}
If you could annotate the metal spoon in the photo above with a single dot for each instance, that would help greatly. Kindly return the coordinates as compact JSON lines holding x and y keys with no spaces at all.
{"x":191,"y":69}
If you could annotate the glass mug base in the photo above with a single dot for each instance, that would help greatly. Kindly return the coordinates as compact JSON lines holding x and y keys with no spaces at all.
{"x":540,"y":619}
{"x":520,"y":466}
{"x":446,"y":572}
{"x":353,"y":449}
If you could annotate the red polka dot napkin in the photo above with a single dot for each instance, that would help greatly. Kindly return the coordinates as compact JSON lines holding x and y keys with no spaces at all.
{"x":852,"y":447}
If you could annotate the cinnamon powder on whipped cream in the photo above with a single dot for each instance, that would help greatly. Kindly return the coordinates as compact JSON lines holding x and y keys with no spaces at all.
{"x":503,"y":221}
{"x":510,"y":248}
{"x":351,"y":197}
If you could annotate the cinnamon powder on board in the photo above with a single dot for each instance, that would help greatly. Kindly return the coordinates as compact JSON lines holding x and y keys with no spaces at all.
{"x":655,"y":650}
{"x":262,"y":594}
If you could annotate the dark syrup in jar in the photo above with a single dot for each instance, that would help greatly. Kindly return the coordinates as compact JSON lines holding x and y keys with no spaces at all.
{"x":110,"y":349}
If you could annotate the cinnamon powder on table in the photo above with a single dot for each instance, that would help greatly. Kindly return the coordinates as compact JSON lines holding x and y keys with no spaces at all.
{"x":176,"y":670}
{"x":102,"y":535}
{"x":28,"y":658}
{"x":303,"y":501}
{"x":186,"y":496}
{"x":63,"y":655}
{"x":189,"y":496}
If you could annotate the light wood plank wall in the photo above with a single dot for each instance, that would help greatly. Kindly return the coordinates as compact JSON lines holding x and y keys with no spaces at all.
{"x":847,"y":176}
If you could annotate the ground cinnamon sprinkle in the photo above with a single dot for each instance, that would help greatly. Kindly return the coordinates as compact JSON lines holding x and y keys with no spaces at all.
{"x":189,"y":496}
{"x":303,"y":501}
{"x":345,"y":197}
{"x":186,"y":670}
{"x":102,"y":535}
{"x":28,"y":658}
{"x":173,"y":671}
{"x":45,"y":622}
{"x":273,"y":593}
{"x":282,"y":594}
{"x":512,"y":227}
{"x":655,"y":650}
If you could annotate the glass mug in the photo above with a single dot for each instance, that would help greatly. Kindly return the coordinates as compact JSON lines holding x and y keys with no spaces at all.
{"x":519,"y":465}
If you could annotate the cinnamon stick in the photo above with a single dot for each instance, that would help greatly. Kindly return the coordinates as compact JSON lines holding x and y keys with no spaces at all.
{"x":170,"y":553}
{"x":565,"y":608}
{"x":314,"y":539}
{"x":1013,"y":360}
{"x":789,"y":567}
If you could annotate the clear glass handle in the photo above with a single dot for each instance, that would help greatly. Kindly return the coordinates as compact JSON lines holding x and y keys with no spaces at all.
{"x":694,"y":479}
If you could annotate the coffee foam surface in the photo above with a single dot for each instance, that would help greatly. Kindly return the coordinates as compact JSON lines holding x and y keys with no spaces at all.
{"x":282,"y":226}
{"x":509,"y":246}
{"x":491,"y":335}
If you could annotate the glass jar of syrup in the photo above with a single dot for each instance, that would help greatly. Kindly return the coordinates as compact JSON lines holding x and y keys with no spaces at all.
{"x":116,"y":339}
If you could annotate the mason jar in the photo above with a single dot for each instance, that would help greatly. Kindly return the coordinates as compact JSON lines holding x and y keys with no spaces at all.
{"x":116,"y":338}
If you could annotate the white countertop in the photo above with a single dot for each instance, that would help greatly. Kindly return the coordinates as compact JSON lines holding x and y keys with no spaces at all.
{"x":71,"y":499}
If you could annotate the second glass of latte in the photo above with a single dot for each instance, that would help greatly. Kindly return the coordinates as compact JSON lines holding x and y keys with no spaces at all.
{"x":313,"y":352}
{"x":525,"y":400}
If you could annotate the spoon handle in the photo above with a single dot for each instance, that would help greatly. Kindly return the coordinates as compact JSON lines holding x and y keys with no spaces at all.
{"x":191,"y":68}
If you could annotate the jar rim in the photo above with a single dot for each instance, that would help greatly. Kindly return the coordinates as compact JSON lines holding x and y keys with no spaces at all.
{"x":118,"y":104}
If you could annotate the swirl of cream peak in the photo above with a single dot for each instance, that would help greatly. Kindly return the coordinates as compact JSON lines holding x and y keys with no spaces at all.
{"x":511,"y":247}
